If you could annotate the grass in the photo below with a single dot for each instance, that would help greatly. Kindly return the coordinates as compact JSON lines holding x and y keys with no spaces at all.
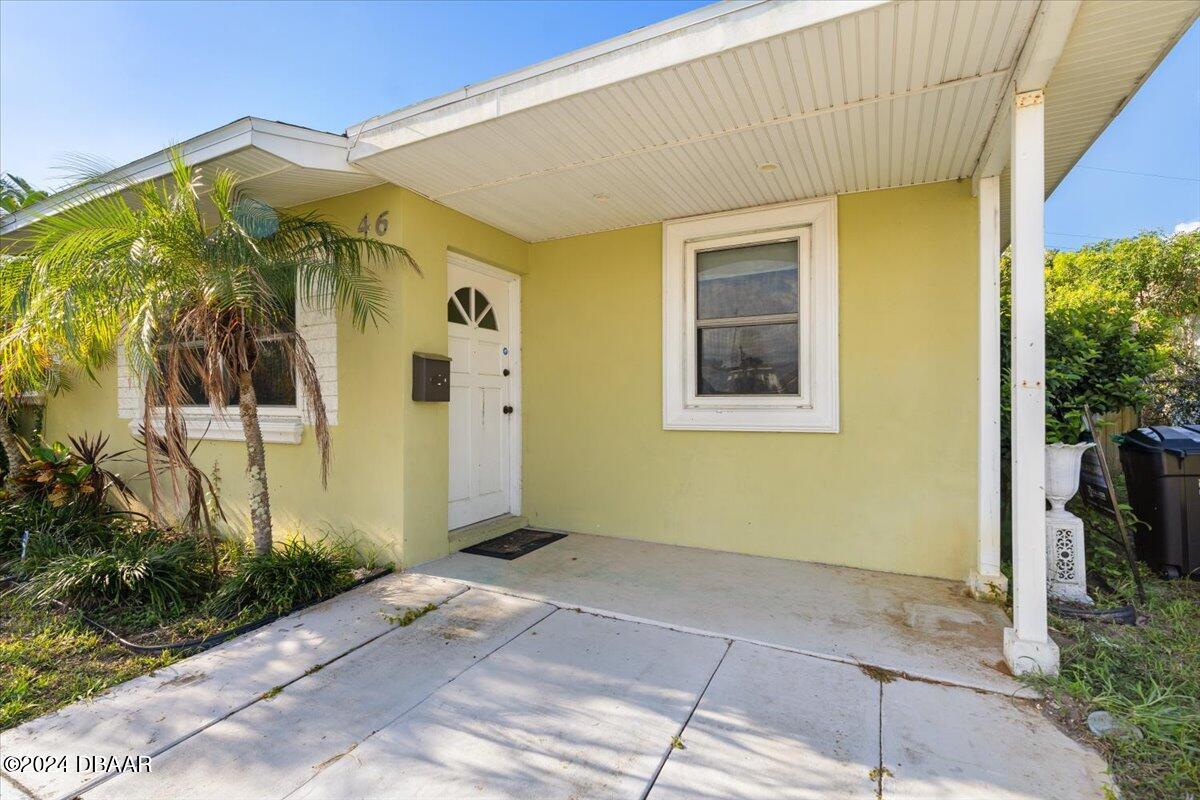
{"x":49,"y":659}
{"x":1146,"y":675}
{"x":148,"y":584}
{"x":405,"y":617}
{"x":145,"y":625}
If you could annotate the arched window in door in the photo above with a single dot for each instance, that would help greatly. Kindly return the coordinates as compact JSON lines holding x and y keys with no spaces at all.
{"x":468,"y":303}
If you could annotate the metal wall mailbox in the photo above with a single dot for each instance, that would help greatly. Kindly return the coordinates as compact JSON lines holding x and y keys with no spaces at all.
{"x":431,"y":377}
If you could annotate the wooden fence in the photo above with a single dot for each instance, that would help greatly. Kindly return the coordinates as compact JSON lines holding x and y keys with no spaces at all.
{"x":1114,"y":423}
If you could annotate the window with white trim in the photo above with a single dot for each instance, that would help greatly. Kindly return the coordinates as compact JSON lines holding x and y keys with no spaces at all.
{"x":750,"y":320}
{"x":273,"y":379}
{"x":282,"y":413}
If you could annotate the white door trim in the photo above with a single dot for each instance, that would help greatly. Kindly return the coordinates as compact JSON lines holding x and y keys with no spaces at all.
{"x":514,"y":387}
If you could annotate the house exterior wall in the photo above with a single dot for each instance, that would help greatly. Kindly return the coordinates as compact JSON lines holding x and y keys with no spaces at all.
{"x":389,"y":471}
{"x":894,"y":490}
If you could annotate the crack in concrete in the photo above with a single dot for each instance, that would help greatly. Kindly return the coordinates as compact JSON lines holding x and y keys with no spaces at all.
{"x":87,"y":787}
{"x":676,"y":742}
{"x":900,"y":673}
{"x":430,"y":694}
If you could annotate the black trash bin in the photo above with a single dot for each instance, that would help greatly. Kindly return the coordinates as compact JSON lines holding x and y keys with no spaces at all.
{"x":1162,"y":475}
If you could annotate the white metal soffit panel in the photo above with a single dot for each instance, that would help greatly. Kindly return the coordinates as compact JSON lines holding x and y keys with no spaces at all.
{"x":1113,"y":47}
{"x":896,"y":94}
{"x":295,"y":185}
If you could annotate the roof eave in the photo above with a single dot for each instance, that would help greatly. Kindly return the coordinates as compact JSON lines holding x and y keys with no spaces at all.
{"x":688,"y":37}
{"x":304,"y":147}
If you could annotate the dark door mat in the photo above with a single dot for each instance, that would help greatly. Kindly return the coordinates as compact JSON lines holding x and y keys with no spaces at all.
{"x":513,"y":545}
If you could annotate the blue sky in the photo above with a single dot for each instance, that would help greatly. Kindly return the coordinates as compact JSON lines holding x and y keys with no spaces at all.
{"x":121,"y":80}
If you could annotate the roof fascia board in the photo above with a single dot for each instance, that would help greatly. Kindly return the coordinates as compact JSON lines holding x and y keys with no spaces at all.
{"x":677,"y":41}
{"x":304,"y":151}
{"x":567,"y":59}
{"x":1043,"y":47}
{"x":215,"y":143}
{"x":301,"y":146}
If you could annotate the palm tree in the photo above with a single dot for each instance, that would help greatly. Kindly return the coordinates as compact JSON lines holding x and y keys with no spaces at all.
{"x":15,"y":272}
{"x":190,"y":277}
{"x":41,"y":375}
{"x":16,"y":193}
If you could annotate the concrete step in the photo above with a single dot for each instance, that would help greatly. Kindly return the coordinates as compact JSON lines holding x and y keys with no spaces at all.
{"x":486,"y":529}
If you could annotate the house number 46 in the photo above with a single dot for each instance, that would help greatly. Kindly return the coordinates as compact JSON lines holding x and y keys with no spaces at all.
{"x":381,"y":224}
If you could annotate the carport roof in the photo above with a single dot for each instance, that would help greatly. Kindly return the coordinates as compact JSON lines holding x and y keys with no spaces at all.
{"x":751,"y":103}
{"x":733,"y":105}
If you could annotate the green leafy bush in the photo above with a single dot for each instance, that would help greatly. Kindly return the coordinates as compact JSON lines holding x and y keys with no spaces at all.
{"x":53,"y":531}
{"x":294,"y":572}
{"x":1175,"y":392}
{"x":138,"y":567}
{"x":1119,"y":313}
{"x":1101,"y":351}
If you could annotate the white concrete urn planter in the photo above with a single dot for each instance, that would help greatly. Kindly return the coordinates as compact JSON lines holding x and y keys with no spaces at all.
{"x":1066,"y":571}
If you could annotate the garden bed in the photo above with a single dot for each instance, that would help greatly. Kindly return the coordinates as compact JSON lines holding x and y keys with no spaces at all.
{"x":51,"y":655}
{"x":137,"y":632}
{"x":95,"y":595}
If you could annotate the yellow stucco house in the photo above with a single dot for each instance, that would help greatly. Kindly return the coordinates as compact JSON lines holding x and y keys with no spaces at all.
{"x":728,"y":281}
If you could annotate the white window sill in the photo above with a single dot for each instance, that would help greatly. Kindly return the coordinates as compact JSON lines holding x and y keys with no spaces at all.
{"x":807,"y":420}
{"x":278,"y":427}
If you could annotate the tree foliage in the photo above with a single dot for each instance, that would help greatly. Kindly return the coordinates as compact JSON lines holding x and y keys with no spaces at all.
{"x":1151,"y":271}
{"x":1112,"y":313}
{"x":187,"y":275}
{"x":1159,"y":278}
{"x":16,"y":193}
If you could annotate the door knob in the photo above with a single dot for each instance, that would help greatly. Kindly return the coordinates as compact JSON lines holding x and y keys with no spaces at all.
{"x":506,"y":373}
{"x":508,"y":409}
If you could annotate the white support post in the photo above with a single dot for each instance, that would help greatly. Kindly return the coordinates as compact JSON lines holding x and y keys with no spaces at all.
{"x":986,"y":580}
{"x":1027,"y":645}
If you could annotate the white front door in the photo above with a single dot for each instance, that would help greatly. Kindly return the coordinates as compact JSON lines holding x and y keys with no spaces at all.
{"x":482,"y":310}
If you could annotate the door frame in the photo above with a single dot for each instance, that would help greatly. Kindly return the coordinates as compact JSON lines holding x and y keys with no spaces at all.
{"x":515,"y":444}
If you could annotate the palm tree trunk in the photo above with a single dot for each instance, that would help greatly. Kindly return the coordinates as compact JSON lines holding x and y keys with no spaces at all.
{"x":256,"y":465}
{"x":8,"y":440}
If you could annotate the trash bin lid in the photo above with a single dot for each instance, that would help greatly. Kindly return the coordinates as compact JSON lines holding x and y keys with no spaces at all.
{"x":1180,"y":440}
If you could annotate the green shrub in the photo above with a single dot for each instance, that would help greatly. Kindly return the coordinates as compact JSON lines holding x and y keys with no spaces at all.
{"x":53,"y":531}
{"x":1122,"y":318}
{"x":295,"y":572}
{"x":139,"y":567}
{"x":1175,"y":393}
{"x":1101,"y":351}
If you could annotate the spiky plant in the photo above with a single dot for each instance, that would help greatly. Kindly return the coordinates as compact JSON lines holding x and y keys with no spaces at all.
{"x":188,"y":276}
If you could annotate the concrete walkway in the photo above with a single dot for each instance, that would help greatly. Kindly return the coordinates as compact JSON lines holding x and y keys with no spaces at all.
{"x":922,"y":627}
{"x":497,"y":696}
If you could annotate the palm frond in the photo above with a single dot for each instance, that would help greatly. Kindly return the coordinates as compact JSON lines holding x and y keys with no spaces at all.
{"x":184,"y":274}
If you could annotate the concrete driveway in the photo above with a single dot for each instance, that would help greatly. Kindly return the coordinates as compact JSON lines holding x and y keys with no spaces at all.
{"x":494,"y":695}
